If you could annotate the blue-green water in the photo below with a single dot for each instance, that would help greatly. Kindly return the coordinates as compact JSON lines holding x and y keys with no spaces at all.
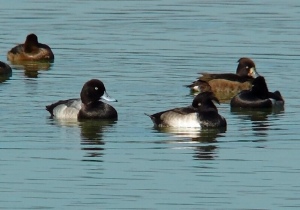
{"x":145,"y":52}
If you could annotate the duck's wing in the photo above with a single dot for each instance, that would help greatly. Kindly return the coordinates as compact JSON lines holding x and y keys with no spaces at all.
{"x":16,"y":49}
{"x":227,"y":76}
{"x":178,"y":117}
{"x":246,"y":99}
{"x":65,"y":108}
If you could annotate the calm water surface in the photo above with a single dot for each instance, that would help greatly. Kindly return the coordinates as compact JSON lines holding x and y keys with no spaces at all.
{"x":145,"y":52}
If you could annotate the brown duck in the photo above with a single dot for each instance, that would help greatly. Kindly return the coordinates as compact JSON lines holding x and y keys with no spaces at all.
{"x":31,"y":50}
{"x":227,"y":85}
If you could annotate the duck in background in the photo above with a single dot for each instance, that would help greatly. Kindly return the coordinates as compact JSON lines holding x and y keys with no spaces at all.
{"x":201,"y":114}
{"x":226,"y":85}
{"x":258,"y":97}
{"x":5,"y":71}
{"x":31,"y":50}
{"x":87,"y":106}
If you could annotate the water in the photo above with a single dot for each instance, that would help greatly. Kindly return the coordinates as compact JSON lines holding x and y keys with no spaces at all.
{"x":145,"y":52}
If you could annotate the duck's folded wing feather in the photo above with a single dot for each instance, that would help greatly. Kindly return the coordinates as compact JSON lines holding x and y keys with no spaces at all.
{"x":232,"y":77}
{"x":65,"y":109}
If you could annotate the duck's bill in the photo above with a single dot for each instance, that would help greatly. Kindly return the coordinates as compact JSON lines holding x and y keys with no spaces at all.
{"x":253,"y":73}
{"x":106,"y":97}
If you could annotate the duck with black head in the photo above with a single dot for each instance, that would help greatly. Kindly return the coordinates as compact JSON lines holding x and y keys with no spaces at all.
{"x":201,"y":114}
{"x":88,"y":106}
{"x":5,"y":69}
{"x":258,"y":97}
{"x":226,"y":85}
{"x":30,"y":50}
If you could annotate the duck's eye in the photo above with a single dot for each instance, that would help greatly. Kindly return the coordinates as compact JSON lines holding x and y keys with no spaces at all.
{"x":247,"y":67}
{"x":96,"y":88}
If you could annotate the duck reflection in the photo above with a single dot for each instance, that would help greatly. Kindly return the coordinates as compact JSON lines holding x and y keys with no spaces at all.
{"x":260,"y":118}
{"x":31,"y":68}
{"x":91,"y":135}
{"x":207,"y":139}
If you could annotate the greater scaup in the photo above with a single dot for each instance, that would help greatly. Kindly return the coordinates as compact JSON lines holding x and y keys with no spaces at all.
{"x":31,"y":50}
{"x":88,"y":106}
{"x":5,"y":69}
{"x":202,"y":114}
{"x":258,"y":97}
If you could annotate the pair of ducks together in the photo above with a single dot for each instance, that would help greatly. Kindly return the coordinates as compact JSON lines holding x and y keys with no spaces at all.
{"x":246,"y":89}
{"x":201,"y":114}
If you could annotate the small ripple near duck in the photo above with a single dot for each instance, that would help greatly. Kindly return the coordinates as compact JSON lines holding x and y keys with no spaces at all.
{"x":88,"y":106}
{"x":201,"y":114}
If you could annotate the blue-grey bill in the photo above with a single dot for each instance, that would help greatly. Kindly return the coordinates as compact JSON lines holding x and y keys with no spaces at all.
{"x":106,"y":97}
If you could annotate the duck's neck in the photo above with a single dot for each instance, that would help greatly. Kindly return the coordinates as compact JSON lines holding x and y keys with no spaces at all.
{"x":30,"y":47}
{"x":262,"y":91}
{"x":207,"y":105}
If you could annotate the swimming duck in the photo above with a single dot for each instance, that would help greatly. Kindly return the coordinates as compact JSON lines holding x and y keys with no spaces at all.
{"x":258,"y":97}
{"x":5,"y":69}
{"x":31,"y":50}
{"x":88,"y":106}
{"x":226,"y":85}
{"x":202,"y":114}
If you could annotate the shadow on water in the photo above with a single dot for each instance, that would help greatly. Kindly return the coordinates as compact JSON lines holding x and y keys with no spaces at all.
{"x":91,"y":133}
{"x":259,"y":118}
{"x":31,"y":68}
{"x":205,"y":140}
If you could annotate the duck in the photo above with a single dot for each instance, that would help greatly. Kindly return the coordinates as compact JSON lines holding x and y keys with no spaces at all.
{"x":87,"y":106}
{"x":258,"y":97}
{"x":5,"y":69}
{"x":201,"y":114}
{"x":31,"y":50}
{"x":226,"y":85}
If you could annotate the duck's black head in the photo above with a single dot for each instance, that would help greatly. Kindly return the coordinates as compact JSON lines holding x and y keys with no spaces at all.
{"x":92,"y":91}
{"x":205,"y":99}
{"x":246,"y":68}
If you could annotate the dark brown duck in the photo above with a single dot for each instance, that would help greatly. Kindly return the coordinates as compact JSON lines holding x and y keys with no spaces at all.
{"x":226,"y":85}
